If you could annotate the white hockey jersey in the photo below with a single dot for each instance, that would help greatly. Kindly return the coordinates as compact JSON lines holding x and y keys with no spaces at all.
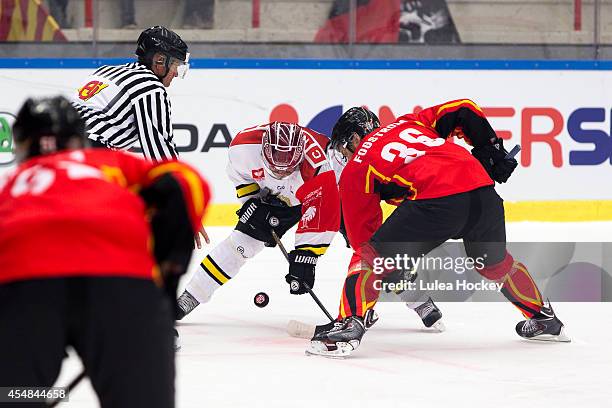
{"x":313,"y":185}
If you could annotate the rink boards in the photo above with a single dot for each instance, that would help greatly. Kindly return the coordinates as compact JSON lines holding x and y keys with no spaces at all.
{"x":559,"y":115}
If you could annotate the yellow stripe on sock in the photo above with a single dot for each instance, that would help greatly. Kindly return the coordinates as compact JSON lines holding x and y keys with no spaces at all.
{"x":216,"y":272}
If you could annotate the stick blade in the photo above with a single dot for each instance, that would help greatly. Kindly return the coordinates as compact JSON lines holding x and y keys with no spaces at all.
{"x":300,"y":330}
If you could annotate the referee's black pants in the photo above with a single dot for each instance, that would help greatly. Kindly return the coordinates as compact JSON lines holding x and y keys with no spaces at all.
{"x":120,"y":327}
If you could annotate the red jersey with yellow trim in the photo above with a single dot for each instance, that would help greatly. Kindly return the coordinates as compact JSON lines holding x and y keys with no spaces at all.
{"x":313,"y":185}
{"x":78,"y":213}
{"x":406,"y":159}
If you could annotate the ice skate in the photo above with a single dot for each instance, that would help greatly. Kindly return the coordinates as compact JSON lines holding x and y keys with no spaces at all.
{"x":429,"y":314}
{"x":296,"y":328}
{"x":370,"y":318}
{"x":544,"y":326}
{"x":185,"y":304}
{"x":337,"y":339}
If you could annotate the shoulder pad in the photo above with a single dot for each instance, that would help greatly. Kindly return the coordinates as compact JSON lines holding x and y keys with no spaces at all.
{"x":315,"y":148}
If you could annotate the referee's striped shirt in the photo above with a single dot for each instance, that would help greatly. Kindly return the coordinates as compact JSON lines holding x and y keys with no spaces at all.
{"x":126,"y":104}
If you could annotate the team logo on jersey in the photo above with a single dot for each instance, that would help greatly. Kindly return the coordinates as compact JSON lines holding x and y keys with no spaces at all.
{"x":6,"y":139}
{"x":258,"y":174}
{"x":91,"y":89}
{"x":311,"y":218}
{"x":309,"y":214}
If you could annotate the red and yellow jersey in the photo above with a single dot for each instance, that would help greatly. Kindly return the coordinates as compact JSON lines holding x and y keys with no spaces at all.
{"x":78,"y":213}
{"x":313,"y":186}
{"x":408,"y":159}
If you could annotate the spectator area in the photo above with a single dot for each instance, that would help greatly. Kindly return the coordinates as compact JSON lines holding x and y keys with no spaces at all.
{"x":477,"y":21}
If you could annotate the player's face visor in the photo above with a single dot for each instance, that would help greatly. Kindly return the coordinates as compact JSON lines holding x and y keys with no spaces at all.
{"x":341,"y":151}
{"x":281,"y":161}
{"x":181,"y":66}
{"x":340,"y":158}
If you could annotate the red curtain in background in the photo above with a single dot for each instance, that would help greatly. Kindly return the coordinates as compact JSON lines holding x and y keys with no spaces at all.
{"x":27,"y":20}
{"x":377,"y":22}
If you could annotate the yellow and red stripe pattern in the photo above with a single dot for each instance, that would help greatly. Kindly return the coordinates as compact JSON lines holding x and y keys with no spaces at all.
{"x":517,"y":285}
{"x":372,"y":175}
{"x":195,"y":190}
{"x":522,"y":291}
{"x":27,"y":20}
{"x":453,"y":106}
{"x":359,"y":293}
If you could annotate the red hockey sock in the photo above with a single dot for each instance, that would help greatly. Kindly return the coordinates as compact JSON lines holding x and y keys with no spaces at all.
{"x":518,"y":285}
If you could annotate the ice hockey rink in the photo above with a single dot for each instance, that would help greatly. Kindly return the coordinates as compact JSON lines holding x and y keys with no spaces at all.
{"x":237,"y":355}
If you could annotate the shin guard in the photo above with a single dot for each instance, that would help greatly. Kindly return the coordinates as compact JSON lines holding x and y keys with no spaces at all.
{"x":518,"y":285}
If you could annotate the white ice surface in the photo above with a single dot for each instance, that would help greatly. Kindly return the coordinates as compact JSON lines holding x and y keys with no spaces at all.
{"x":237,"y":355}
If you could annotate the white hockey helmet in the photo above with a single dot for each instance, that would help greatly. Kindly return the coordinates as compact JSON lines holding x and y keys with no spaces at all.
{"x":283,"y":146}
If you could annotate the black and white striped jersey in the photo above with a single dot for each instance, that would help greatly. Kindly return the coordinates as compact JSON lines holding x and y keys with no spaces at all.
{"x":126,"y":104}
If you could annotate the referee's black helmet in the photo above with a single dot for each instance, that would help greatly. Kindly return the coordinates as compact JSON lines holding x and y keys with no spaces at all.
{"x":160,"y":39}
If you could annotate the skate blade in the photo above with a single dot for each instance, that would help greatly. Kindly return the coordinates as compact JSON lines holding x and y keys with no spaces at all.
{"x":300,"y":330}
{"x":437,"y":327}
{"x":343,"y":350}
{"x":554,"y":338}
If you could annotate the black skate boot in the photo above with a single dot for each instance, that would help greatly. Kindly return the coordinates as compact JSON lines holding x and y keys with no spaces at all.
{"x":337,"y":339}
{"x":430,"y":315}
{"x":370,"y":318}
{"x":185,"y":304}
{"x":544,"y":326}
{"x":302,"y":330}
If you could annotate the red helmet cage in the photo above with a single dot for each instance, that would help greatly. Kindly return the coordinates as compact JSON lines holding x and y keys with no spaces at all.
{"x":283,"y":147}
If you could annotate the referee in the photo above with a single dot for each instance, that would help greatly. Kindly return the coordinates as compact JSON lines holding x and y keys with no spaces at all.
{"x":125,"y":104}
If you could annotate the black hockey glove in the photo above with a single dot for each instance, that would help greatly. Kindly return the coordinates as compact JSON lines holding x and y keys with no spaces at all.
{"x":493,"y":159}
{"x":257,"y":218}
{"x":301,"y":270}
{"x":274,"y":201}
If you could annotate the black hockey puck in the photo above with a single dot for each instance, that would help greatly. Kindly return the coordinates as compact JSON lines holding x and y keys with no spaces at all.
{"x":261,"y":299}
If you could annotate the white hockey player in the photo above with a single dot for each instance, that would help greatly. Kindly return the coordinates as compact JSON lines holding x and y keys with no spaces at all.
{"x":282,"y":178}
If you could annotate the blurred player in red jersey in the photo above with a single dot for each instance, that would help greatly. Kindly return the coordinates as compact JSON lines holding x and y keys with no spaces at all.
{"x":77,"y":230}
{"x":442,"y":192}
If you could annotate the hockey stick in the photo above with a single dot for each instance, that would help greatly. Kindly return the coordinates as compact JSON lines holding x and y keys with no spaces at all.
{"x":70,"y":386}
{"x":308,"y":289}
{"x":513,"y":152}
